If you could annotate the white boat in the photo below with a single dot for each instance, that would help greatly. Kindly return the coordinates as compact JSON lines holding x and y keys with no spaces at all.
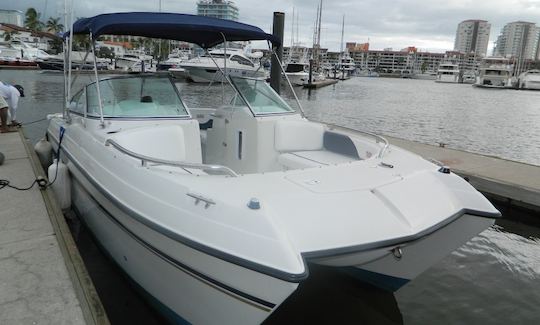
{"x":208,"y":68}
{"x":448,"y":72}
{"x":297,"y":74}
{"x":368,"y":73}
{"x":28,"y":51}
{"x":219,"y":225}
{"x":494,"y":72}
{"x":174,"y":60}
{"x":469,"y":77}
{"x":135,"y":61}
{"x":529,"y":80}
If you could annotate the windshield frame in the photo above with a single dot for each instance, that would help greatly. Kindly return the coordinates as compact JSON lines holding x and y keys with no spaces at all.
{"x":244,"y":99}
{"x":95,"y":115}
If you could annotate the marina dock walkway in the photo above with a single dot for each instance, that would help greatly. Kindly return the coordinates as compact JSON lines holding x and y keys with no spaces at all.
{"x":514,"y":182}
{"x":42,"y":277}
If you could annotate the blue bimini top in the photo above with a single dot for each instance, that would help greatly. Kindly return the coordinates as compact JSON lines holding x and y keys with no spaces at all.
{"x":204,"y":31}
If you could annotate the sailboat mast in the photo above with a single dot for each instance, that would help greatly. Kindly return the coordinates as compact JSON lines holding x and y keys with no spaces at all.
{"x":342,"y":32}
{"x":319,"y":24}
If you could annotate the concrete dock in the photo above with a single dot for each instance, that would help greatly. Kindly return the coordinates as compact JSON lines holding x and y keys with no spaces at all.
{"x":42,"y":277}
{"x":515,"y":183}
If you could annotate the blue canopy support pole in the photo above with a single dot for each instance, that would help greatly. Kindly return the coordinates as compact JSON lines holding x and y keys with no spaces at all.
{"x":101,"y":119}
{"x":289,"y":83}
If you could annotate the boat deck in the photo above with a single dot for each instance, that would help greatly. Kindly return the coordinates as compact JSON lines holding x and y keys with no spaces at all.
{"x":514,"y":182}
{"x":42,"y":276}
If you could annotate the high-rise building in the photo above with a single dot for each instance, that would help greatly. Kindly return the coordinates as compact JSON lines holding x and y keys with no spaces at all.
{"x":14,"y":17}
{"x":218,"y":9}
{"x":518,"y":39}
{"x":472,"y":37}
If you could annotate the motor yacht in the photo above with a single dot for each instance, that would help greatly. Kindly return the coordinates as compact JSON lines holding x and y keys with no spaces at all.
{"x":217,"y":213}
{"x":494,"y":72}
{"x":234,"y":62}
{"x":135,"y":61}
{"x":173,"y":60}
{"x":529,"y":80}
{"x":448,"y":72}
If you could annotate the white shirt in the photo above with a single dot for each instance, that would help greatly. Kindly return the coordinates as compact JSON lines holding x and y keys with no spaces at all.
{"x":11,"y":95}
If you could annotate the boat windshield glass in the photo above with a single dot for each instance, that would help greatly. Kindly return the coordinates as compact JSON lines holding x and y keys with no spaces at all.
{"x":261,"y":98}
{"x":136,"y":97}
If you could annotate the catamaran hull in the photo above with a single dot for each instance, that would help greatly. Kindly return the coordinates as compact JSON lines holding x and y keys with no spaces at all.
{"x":186,"y":285}
{"x":393,"y":266}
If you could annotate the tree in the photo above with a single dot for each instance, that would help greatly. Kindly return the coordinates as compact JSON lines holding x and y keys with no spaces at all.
{"x":32,"y":21}
{"x":424,"y":67}
{"x":53,"y":25}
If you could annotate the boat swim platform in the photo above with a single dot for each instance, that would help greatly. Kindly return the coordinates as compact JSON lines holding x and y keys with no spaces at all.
{"x":512,"y":183}
{"x":43,"y":279}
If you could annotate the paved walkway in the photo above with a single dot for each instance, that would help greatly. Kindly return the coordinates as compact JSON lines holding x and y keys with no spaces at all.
{"x":504,"y":178}
{"x":35,"y":287}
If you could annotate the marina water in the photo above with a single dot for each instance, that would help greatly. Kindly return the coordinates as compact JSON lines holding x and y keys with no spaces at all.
{"x":495,"y":278}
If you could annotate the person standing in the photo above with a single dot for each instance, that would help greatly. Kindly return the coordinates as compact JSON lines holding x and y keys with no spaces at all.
{"x":10,"y":100}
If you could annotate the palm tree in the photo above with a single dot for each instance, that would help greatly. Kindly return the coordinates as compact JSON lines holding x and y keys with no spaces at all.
{"x":32,"y":19}
{"x":53,"y":25}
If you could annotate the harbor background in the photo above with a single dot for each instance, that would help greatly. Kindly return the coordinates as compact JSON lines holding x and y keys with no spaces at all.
{"x":492,"y":279}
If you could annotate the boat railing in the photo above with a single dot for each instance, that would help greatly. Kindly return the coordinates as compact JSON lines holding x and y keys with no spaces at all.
{"x":377,"y":137}
{"x":212,"y":169}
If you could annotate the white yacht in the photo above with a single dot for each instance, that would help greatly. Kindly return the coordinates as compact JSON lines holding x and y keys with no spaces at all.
{"x":208,"y":67}
{"x":217,"y":213}
{"x":529,"y":80}
{"x":297,"y":74}
{"x":494,"y":72}
{"x":174,"y":60}
{"x":448,"y":72}
{"x":469,"y":77}
{"x":135,"y":61}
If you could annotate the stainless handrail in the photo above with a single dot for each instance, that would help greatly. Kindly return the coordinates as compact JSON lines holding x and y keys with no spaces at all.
{"x":376,"y":136}
{"x":184,"y":165}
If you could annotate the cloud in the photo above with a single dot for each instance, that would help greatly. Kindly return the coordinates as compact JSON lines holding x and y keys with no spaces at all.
{"x":386,"y":23}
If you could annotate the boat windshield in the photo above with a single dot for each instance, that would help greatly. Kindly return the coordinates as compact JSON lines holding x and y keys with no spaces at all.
{"x":136,"y":97}
{"x":261,"y":98}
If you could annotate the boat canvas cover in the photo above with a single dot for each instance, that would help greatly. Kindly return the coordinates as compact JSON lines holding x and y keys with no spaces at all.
{"x":204,"y":31}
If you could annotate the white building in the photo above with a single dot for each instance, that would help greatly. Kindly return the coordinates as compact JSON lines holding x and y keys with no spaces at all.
{"x":13,"y":17}
{"x":518,"y":39}
{"x":222,"y":9}
{"x":472,"y":36}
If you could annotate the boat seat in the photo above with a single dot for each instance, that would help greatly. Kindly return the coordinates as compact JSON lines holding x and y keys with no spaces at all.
{"x":163,"y":142}
{"x":312,"y":158}
{"x":304,"y":144}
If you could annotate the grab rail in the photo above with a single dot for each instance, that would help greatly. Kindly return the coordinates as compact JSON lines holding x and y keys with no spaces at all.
{"x":184,"y":165}
{"x":377,"y":137}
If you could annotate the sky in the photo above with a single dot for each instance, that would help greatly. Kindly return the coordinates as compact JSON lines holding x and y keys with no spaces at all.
{"x":430,"y":25}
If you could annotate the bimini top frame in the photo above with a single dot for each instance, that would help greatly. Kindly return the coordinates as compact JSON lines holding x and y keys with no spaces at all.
{"x":204,"y":31}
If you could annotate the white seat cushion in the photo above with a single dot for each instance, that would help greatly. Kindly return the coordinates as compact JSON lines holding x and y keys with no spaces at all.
{"x":163,"y":142}
{"x":298,"y":136}
{"x":306,"y":159}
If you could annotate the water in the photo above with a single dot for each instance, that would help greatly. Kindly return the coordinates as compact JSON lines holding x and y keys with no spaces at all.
{"x":495,"y":278}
